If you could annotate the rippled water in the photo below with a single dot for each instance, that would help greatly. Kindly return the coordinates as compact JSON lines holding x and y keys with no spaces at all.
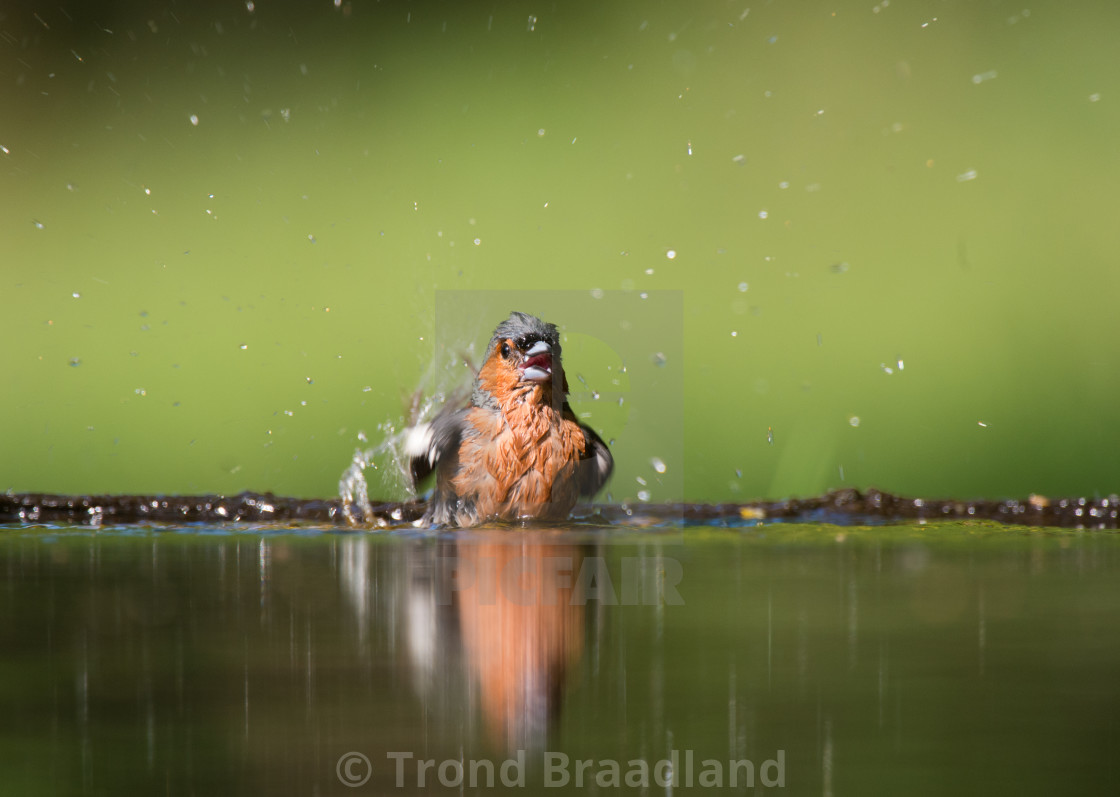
{"x":940,"y":659}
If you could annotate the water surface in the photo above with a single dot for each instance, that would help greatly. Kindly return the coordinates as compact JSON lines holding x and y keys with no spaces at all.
{"x":931,"y":659}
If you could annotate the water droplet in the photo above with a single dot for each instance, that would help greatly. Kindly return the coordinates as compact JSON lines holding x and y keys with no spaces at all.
{"x":477,"y":241}
{"x":38,"y":224}
{"x":762,"y":214}
{"x":671,"y":254}
{"x":740,"y":159}
{"x":658,"y":464}
{"x":854,"y":420}
{"x":770,"y":435}
{"x":311,"y":238}
{"x":532,"y":26}
{"x":1094,"y":97}
{"x":743,"y":287}
{"x":596,"y":293}
{"x":643,"y":495}
{"x":76,"y":295}
{"x":659,"y":359}
{"x":75,"y":362}
{"x":244,"y":346}
{"x":981,"y":423}
{"x":738,"y":473}
{"x":194,"y":119}
{"x":640,"y":480}
{"x":964,"y":177}
{"x":991,"y":74}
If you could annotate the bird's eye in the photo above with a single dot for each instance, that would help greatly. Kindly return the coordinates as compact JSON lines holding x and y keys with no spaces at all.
{"x":505,"y":349}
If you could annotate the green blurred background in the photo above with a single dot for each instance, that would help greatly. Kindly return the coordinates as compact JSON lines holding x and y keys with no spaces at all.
{"x":893,"y":227}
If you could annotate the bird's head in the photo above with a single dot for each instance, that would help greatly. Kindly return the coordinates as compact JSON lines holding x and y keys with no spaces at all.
{"x":522,"y":364}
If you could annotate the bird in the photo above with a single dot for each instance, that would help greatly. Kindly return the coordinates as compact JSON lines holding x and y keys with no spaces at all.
{"x":516,"y":452}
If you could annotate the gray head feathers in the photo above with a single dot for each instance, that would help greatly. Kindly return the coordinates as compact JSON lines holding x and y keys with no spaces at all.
{"x":524,"y":329}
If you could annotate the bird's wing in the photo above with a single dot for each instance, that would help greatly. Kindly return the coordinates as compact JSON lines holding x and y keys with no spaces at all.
{"x":429,"y":443}
{"x":595,"y":465}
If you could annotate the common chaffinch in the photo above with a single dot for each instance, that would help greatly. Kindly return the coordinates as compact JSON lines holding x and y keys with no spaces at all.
{"x":516,"y":452}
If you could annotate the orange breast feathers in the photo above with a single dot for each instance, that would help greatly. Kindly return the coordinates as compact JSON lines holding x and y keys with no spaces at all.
{"x":520,"y":464}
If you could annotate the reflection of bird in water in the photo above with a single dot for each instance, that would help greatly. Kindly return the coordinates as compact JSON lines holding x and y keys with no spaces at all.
{"x":517,"y":451}
{"x":488,"y":622}
{"x":520,"y":632}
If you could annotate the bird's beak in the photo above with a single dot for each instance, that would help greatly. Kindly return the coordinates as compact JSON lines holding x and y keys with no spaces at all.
{"x":536,"y":363}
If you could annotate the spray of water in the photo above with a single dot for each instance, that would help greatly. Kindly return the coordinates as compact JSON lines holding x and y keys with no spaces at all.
{"x":443,"y":383}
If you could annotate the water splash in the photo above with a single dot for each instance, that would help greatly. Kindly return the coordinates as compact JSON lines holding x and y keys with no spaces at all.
{"x":354,"y":490}
{"x":444,"y":383}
